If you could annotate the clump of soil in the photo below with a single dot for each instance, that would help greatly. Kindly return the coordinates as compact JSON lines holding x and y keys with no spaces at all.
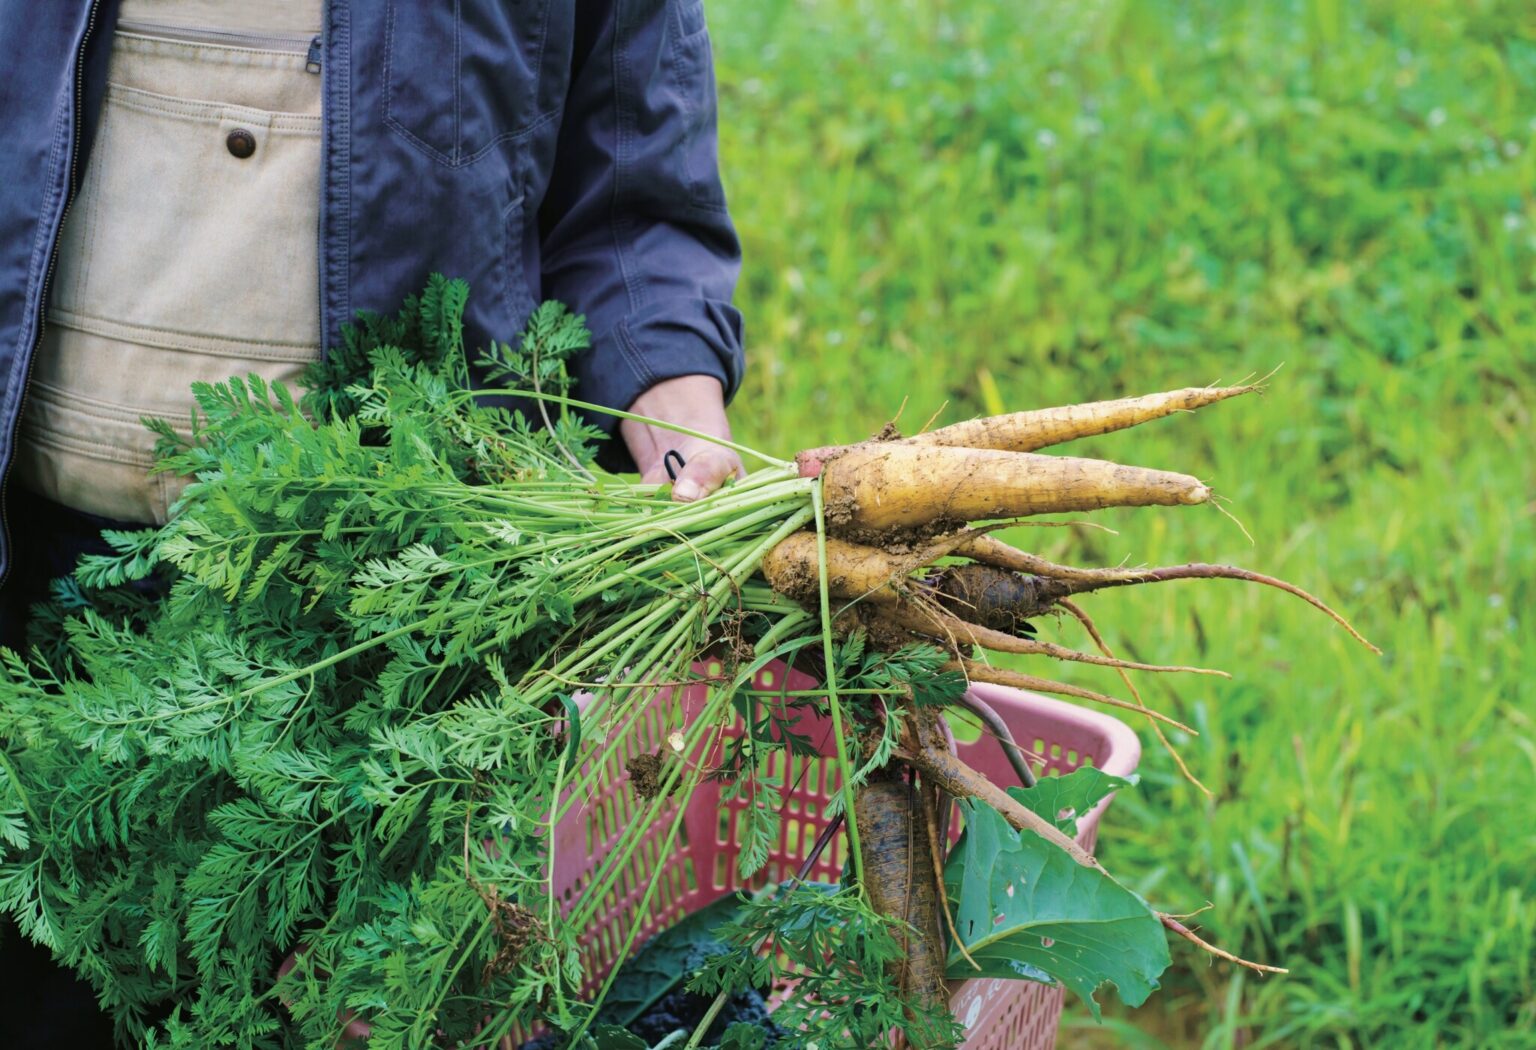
{"x":646,"y":773}
{"x":880,"y":634}
{"x":842,"y":513}
{"x":516,"y":928}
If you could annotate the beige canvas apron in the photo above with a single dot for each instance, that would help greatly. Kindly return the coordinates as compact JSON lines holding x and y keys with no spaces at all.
{"x":190,"y":252}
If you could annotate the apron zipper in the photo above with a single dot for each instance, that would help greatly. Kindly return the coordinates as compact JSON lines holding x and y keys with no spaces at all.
{"x":42,"y":299}
{"x":293,"y":43}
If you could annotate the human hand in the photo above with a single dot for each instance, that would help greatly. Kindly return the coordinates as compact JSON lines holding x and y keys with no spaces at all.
{"x":695,"y":402}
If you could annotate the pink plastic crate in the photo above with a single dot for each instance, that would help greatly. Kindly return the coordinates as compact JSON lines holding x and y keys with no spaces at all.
{"x":701,"y":868}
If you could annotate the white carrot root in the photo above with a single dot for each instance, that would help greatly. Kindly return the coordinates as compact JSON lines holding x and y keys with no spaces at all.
{"x":1042,"y":427}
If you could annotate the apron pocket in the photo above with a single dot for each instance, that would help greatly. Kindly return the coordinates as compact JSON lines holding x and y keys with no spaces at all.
{"x":185,"y":206}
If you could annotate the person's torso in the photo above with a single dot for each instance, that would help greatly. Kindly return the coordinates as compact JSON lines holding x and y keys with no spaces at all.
{"x":439,"y":133}
{"x":424,"y":143}
{"x":190,"y":253}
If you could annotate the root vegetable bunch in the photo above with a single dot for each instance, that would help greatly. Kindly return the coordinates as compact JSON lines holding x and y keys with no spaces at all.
{"x":347,"y":721}
{"x":908,"y":558}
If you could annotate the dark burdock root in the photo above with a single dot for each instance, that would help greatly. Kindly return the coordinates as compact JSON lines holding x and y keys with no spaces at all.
{"x":996,"y":598}
{"x":950,"y":630}
{"x":976,"y":671}
{"x":899,"y":877}
{"x":992,"y":551}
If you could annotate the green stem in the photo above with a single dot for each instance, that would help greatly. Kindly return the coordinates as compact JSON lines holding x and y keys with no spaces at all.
{"x":684,"y":549}
{"x":549,"y":913}
{"x":703,"y":610}
{"x":695,"y":774}
{"x":647,"y":653}
{"x":617,"y":861}
{"x":588,"y":406}
{"x":831,"y":688}
{"x":786,"y":626}
{"x":823,"y":692}
{"x":707,"y":1020}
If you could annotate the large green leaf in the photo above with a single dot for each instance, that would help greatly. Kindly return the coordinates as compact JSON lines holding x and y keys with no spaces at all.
{"x":1025,"y":909}
{"x":1063,"y":799}
{"x":612,"y":1037}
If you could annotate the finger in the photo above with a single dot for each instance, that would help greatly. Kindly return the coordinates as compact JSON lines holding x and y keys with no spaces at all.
{"x":708,"y":469}
{"x":654,"y":458}
{"x":656,"y":454}
{"x":644,"y":449}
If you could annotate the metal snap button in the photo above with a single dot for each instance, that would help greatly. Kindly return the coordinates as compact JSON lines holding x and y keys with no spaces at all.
{"x":241,"y":143}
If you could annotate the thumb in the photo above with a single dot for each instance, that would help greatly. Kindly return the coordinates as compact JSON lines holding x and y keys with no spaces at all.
{"x":709,"y":467}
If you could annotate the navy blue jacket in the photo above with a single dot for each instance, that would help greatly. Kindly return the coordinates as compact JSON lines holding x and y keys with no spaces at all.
{"x":560,"y":149}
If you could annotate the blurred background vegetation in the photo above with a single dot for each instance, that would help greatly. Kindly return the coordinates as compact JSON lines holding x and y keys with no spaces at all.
{"x":967,"y":207}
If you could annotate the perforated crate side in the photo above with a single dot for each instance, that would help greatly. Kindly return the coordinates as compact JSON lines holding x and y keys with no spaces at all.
{"x":702,"y":866}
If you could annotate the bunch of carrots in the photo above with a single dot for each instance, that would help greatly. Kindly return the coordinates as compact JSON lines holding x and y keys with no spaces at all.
{"x":906,"y":561}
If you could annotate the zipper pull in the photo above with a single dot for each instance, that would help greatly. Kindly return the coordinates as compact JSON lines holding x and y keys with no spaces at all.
{"x":312,"y":60}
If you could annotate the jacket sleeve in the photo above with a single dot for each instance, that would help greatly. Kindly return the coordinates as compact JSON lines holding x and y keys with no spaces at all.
{"x":634,"y":227}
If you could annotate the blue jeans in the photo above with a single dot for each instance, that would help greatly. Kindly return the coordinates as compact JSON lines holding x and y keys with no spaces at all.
{"x":43,"y":1006}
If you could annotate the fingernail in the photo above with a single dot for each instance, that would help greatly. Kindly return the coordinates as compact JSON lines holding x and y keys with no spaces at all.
{"x":686,"y":491}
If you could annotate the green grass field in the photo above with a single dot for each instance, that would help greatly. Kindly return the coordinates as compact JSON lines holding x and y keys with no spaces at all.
{"x":967,"y":207}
